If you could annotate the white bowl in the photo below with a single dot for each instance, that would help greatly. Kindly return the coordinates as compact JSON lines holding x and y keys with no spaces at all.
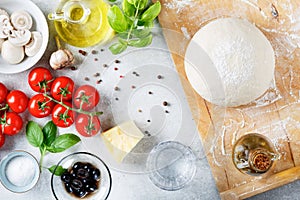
{"x":39,"y":24}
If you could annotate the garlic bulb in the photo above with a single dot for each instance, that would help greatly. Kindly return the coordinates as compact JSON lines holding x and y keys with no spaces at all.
{"x":21,"y":20}
{"x":19,"y":37}
{"x":61,"y":58}
{"x":11,"y":53}
{"x":5,"y":26}
{"x":35,"y":43}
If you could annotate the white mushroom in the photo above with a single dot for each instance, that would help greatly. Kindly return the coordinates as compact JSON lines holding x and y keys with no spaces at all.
{"x":21,"y":20}
{"x":19,"y":37}
{"x":35,"y":43}
{"x":5,"y":26}
{"x":61,"y":58}
{"x":3,"y":12}
{"x":1,"y":42}
{"x":12,"y":54}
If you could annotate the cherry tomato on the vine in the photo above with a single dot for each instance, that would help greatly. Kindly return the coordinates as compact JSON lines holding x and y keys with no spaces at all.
{"x":11,"y":123}
{"x":62,"y":117}
{"x":17,"y":101}
{"x":40,"y":106}
{"x":86,"y":97}
{"x":40,"y":79}
{"x":86,"y":125}
{"x":3,"y":92}
{"x":62,"y":88}
{"x":2,"y":139}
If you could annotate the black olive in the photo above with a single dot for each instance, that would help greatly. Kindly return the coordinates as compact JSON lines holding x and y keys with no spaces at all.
{"x":92,"y":187}
{"x":78,"y":165}
{"x":80,"y":193}
{"x":76,"y":184}
{"x":82,"y":173}
{"x":96,"y":174}
{"x":68,"y":188}
{"x":88,"y":167}
{"x":66,"y":177}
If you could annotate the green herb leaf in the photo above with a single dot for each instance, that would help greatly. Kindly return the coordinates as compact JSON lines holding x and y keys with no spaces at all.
{"x":116,"y":19}
{"x":140,"y":4}
{"x":118,"y":48}
{"x":151,"y":13}
{"x":141,"y":33}
{"x":141,"y":42}
{"x":34,"y":134}
{"x":63,"y":142}
{"x":49,"y":131}
{"x":59,"y":170}
{"x":128,"y":8}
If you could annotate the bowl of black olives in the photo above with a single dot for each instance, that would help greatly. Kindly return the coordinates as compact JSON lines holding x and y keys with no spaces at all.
{"x":81,"y":175}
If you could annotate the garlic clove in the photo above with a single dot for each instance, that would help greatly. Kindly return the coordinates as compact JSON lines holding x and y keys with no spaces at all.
{"x":61,"y":58}
{"x":1,"y":43}
{"x":19,"y":37}
{"x":35,"y":43}
{"x":21,"y":20}
{"x":3,"y":12}
{"x":11,"y":53}
{"x":5,"y":26}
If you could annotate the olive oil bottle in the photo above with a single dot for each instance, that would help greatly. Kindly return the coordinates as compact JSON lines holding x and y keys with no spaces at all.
{"x":82,"y":23}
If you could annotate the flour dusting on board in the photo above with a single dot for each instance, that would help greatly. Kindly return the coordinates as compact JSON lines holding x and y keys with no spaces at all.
{"x":179,"y":5}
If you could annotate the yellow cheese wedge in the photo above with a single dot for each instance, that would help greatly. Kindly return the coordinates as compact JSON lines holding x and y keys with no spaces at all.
{"x":121,"y":139}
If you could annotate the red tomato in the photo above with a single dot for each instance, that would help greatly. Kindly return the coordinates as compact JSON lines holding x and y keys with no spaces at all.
{"x":62,"y":88}
{"x":3,"y":92}
{"x":86,"y":125}
{"x":12,"y":123}
{"x":2,"y":139}
{"x":40,"y":79}
{"x":87,"y":97}
{"x":17,"y":101}
{"x":40,"y":106}
{"x":62,"y":117}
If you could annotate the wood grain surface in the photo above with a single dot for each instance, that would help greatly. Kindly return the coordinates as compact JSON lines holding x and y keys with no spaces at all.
{"x":275,"y":115}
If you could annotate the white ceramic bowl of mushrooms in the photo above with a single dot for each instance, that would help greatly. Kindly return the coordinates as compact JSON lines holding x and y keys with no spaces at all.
{"x":24,"y":35}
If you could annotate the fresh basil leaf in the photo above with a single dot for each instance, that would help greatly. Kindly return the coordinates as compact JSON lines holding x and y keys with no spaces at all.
{"x":128,"y":8}
{"x":63,"y":142}
{"x":123,"y":35}
{"x":57,"y":170}
{"x":117,"y":48}
{"x":49,"y":131}
{"x":116,"y":19}
{"x":34,"y":134}
{"x":141,"y":4}
{"x":142,"y":42}
{"x":152,"y":12}
{"x":141,"y":33}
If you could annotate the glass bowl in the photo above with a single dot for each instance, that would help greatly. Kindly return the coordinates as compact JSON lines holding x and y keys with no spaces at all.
{"x":58,"y":188}
{"x":172,"y":165}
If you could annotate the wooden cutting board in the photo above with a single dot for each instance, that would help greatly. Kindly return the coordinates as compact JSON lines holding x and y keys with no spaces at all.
{"x":275,"y":115}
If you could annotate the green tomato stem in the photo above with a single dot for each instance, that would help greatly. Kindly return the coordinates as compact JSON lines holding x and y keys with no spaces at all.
{"x":73,"y":109}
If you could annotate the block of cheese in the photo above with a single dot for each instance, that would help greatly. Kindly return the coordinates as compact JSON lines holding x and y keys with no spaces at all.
{"x":121,"y":139}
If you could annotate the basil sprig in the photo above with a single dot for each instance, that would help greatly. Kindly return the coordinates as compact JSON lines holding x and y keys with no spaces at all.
{"x":46,"y":138}
{"x":133,"y":23}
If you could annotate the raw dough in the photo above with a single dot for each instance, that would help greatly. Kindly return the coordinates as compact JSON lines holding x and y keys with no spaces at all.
{"x":230,"y":62}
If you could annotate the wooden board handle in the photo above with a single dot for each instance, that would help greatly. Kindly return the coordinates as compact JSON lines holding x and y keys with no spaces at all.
{"x":261,"y":185}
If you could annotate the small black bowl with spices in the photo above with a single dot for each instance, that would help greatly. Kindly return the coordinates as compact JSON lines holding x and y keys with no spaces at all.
{"x":86,"y":177}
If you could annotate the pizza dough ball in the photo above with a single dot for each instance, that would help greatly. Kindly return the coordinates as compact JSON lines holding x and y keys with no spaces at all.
{"x":230,"y":62}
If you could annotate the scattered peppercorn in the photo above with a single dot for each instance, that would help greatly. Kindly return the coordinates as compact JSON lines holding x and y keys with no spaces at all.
{"x":86,"y":78}
{"x":117,"y":88}
{"x":166,"y":111}
{"x":133,"y":72}
{"x":101,"y":49}
{"x":148,"y":120}
{"x":117,"y":61}
{"x":95,"y":59}
{"x":159,"y":76}
{"x":117,"y":99}
{"x":105,"y":65}
{"x":150,"y":92}
{"x":165,"y":103}
{"x":133,"y":87}
{"x":82,"y":52}
{"x":121,"y":76}
{"x":139,"y":110}
{"x":99,"y":81}
{"x":94,"y":52}
{"x":73,"y":68}
{"x":115,"y":68}
{"x":97,"y":74}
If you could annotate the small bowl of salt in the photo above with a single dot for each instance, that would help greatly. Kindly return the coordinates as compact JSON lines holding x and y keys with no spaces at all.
{"x":19,"y":171}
